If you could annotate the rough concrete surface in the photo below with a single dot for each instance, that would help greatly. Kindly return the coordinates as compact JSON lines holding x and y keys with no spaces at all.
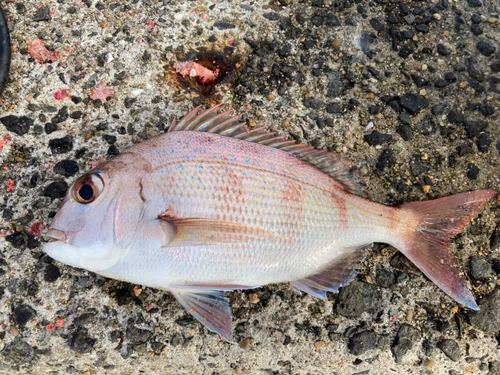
{"x":406,"y":90}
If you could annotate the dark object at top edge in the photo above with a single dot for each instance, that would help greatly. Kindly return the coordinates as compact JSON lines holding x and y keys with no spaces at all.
{"x":4,"y":51}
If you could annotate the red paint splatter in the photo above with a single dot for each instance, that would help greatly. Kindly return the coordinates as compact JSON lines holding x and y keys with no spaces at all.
{"x":50,"y":327}
{"x":118,"y":339}
{"x":6,"y":139}
{"x":60,"y":323}
{"x":68,"y":49}
{"x":101,"y":92}
{"x":11,"y":185}
{"x":247,"y":108}
{"x":37,"y":50}
{"x":393,"y":318}
{"x":62,"y":94}
{"x":37,"y":228}
{"x":151,"y":24}
{"x":205,"y":17}
{"x":193,"y":69}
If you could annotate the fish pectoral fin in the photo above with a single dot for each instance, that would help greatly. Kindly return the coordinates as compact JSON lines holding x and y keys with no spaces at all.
{"x":336,"y":275}
{"x":210,"y":307}
{"x":197,"y":231}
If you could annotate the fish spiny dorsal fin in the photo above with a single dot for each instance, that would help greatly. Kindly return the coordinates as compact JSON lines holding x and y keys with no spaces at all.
{"x":230,"y":126}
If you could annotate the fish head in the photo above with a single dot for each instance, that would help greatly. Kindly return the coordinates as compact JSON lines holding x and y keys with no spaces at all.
{"x":99,"y":217}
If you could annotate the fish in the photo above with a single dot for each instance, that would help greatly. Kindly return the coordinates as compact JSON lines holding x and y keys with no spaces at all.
{"x":212,"y":206}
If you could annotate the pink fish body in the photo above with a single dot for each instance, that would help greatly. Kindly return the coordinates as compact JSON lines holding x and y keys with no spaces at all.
{"x":210,"y":207}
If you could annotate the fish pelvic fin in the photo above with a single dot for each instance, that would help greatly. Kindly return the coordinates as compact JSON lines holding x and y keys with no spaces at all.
{"x":338,"y":274}
{"x":210,"y":307}
{"x":427,"y":246}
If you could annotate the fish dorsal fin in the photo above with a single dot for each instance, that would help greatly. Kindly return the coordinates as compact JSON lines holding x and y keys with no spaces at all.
{"x":337,"y":275}
{"x":230,"y":126}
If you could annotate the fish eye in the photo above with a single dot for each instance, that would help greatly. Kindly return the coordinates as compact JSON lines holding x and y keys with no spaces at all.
{"x":88,"y":188}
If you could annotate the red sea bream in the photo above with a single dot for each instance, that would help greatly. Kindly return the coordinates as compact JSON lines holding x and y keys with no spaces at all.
{"x":211,"y":206}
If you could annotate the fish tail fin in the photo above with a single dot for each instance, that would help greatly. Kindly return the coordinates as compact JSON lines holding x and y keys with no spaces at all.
{"x":427,"y":246}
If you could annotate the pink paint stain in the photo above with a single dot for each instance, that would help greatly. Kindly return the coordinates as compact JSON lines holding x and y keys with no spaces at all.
{"x":6,"y":139}
{"x":37,"y":228}
{"x":101,"y":92}
{"x":37,"y":50}
{"x":11,"y":185}
{"x":62,"y":94}
{"x":60,"y":323}
{"x":151,"y":24}
{"x":50,"y":327}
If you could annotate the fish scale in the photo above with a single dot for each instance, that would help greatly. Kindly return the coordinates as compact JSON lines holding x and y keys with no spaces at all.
{"x":213,"y":206}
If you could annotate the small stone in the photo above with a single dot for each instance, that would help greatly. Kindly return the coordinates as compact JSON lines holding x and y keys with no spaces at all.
{"x":42,"y":14}
{"x":285,"y":124}
{"x":314,"y":103}
{"x":442,"y":50}
{"x":336,"y":43}
{"x":488,"y":316}
{"x":358,"y":297}
{"x":437,"y":16}
{"x":253,"y":298}
{"x":479,"y":267}
{"x":463,"y":84}
{"x":67,"y":168}
{"x":245,"y":343}
{"x":271,"y":97}
{"x":385,"y":279}
{"x":252,"y":123}
{"x":18,"y":351}
{"x":429,"y":364}
{"x":19,"y":125}
{"x":376,"y":138}
{"x":81,"y":342}
{"x":426,"y":189}
{"x":451,"y":349}
{"x":423,"y":92}
{"x":413,"y":103}
{"x":51,"y":273}
{"x":363,"y":342}
{"x":23,"y":314}
{"x":61,"y":145}
{"x":318,"y":345}
{"x":56,"y":189}
{"x":486,"y":48}
{"x":406,"y":338}
{"x":473,"y":171}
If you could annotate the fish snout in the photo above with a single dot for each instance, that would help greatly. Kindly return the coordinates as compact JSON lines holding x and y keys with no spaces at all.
{"x":55,"y":234}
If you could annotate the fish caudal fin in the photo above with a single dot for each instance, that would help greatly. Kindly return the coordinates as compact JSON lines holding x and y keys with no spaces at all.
{"x":427,"y":246}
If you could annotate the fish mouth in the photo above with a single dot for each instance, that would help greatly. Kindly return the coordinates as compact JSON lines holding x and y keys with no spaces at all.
{"x":55,"y":234}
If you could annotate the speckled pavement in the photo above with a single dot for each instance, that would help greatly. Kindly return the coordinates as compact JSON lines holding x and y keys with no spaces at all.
{"x":407,"y":91}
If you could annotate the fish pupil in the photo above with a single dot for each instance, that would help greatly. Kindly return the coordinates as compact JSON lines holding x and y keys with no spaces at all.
{"x":86,"y":192}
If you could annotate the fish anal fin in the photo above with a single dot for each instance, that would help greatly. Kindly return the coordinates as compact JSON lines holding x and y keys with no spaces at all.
{"x":329,"y":163}
{"x":209,"y":307}
{"x":338,"y":274}
{"x":199,"y":231}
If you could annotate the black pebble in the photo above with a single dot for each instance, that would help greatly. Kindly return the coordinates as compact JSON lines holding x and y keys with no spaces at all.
{"x":412,"y":103}
{"x":56,"y":189}
{"x":406,"y":51}
{"x":377,"y":26}
{"x":363,"y":342}
{"x":495,"y":240}
{"x":376,"y":138}
{"x":385,"y":279}
{"x":223,"y":25}
{"x":271,"y":16}
{"x":314,"y":103}
{"x":112,"y":150}
{"x":475,"y":3}
{"x":479,"y":267}
{"x":19,"y":125}
{"x":486,"y":110}
{"x":441,"y":82}
{"x":357,"y":298}
{"x":111,"y":139}
{"x":18,"y":351}
{"x":42,"y":14}
{"x":62,"y":115}
{"x":442,"y":50}
{"x":18,"y":240}
{"x":81,"y":342}
{"x":76,"y":115}
{"x":455,"y":117}
{"x":66,"y":168}
{"x":51,"y":273}
{"x":450,"y":348}
{"x":406,"y":337}
{"x":423,"y":28}
{"x":61,"y":145}
{"x":483,"y":143}
{"x":419,"y":80}
{"x":486,"y":48}
{"x":438,"y":109}
{"x":23,"y":314}
{"x":405,"y":132}
{"x":473,"y":171}
{"x":333,"y":108}
{"x":212,"y":39}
